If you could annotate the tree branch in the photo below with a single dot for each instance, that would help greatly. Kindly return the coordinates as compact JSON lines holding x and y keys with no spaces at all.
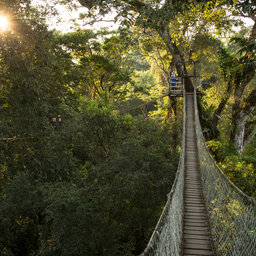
{"x":249,"y":138}
{"x":253,"y":33}
{"x":167,"y":4}
{"x":136,"y":5}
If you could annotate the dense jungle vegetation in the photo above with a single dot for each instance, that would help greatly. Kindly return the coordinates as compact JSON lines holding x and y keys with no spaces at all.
{"x":95,"y":181}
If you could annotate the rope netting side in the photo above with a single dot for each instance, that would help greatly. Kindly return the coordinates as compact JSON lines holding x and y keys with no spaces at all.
{"x":232,"y":214}
{"x":167,"y":236}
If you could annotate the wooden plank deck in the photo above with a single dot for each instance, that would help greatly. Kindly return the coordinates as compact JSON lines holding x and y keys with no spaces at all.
{"x":196,"y":239}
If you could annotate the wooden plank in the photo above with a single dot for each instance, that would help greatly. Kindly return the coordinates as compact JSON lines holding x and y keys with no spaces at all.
{"x":198,"y":228}
{"x":197,"y":241}
{"x":197,"y":237}
{"x":196,"y":232}
{"x":193,"y":199}
{"x":194,"y":210}
{"x":191,"y":217}
{"x":196,"y":224}
{"x":191,"y":222}
{"x":191,"y":189}
{"x":193,"y":181}
{"x":199,"y":211}
{"x":205,"y":246}
{"x":194,"y":204}
{"x":193,"y":193}
{"x":195,"y":220}
{"x":195,"y":216}
{"x":198,"y":215}
{"x":192,"y":252}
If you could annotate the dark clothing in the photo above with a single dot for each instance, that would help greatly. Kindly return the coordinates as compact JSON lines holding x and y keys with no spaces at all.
{"x":173,"y":79}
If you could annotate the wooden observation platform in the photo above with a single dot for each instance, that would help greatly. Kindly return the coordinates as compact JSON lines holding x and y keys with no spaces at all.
{"x":176,"y":88}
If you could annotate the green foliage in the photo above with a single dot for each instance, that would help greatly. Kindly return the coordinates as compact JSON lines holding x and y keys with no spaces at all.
{"x":100,"y":67}
{"x":240,"y":170}
{"x":214,"y":146}
{"x":240,"y":173}
{"x":108,"y":205}
{"x":250,"y":153}
{"x":228,"y":63}
{"x":20,"y":208}
{"x":137,"y":162}
{"x":96,"y":184}
{"x":143,"y":81}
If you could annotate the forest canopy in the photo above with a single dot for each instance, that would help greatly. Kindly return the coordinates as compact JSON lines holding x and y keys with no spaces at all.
{"x":90,"y":140}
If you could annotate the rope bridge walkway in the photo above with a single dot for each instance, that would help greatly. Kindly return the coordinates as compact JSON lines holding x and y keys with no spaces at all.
{"x":205,"y":214}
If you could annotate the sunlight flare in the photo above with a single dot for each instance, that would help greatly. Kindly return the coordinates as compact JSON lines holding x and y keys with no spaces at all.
{"x":4,"y":23}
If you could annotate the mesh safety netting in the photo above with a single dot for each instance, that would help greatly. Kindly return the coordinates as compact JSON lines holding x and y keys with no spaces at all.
{"x":232,"y":214}
{"x":167,"y":236}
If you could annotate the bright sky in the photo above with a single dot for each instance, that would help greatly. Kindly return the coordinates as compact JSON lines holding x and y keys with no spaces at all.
{"x":68,"y":17}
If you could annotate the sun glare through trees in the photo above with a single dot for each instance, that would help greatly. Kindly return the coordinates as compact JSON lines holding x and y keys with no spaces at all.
{"x":4,"y":23}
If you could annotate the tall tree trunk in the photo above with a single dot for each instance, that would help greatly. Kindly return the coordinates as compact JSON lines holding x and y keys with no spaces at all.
{"x":242,"y":111}
{"x":239,"y":131}
{"x":243,"y":108}
{"x":177,"y":58}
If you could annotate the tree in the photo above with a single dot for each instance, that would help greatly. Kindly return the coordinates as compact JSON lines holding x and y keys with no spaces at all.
{"x":157,"y":16}
{"x":238,"y":68}
{"x":32,"y":92}
{"x":101,"y":68}
{"x":77,"y":189}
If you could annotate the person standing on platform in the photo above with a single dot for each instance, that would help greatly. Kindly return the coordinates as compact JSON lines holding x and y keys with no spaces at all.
{"x":173,"y":79}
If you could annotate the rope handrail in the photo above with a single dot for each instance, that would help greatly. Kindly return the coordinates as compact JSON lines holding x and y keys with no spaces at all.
{"x":232,"y":214}
{"x":169,"y":226}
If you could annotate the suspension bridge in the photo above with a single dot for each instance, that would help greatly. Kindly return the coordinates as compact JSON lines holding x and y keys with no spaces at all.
{"x":205,"y":213}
